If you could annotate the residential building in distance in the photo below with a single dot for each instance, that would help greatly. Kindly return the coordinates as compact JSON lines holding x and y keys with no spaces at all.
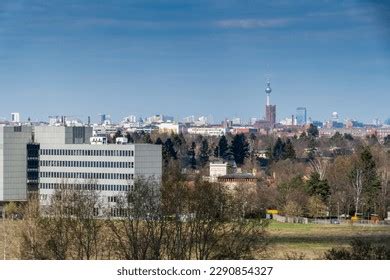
{"x":218,"y":168}
{"x":243,"y":130}
{"x":236,"y":121}
{"x":253,"y":121}
{"x":207,"y":131}
{"x":15,"y":117}
{"x":227,"y":173}
{"x":130,"y":119}
{"x":159,"y":119}
{"x":189,"y":120}
{"x":170,"y":127}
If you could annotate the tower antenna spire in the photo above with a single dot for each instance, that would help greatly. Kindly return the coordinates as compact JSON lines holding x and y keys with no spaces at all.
{"x":268,"y":91}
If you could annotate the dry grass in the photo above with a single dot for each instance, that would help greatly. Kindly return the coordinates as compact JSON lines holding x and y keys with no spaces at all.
{"x":291,"y":241}
{"x":9,"y":236}
{"x":286,"y":241}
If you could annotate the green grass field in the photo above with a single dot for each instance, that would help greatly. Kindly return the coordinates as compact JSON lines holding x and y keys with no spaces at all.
{"x":311,"y":241}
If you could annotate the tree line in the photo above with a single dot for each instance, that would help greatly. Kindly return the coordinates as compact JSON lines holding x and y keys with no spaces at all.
{"x":302,"y":175}
{"x":174,"y":220}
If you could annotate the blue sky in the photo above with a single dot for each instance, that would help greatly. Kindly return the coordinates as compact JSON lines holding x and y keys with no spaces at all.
{"x":195,"y":57}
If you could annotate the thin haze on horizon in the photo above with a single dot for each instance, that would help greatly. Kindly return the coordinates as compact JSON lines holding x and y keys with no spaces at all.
{"x":195,"y":57}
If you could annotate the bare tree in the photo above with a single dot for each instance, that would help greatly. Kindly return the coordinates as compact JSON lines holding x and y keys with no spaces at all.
{"x":357,"y":185}
{"x":85,"y":225}
{"x":65,"y":228}
{"x":32,"y":243}
{"x":56,"y":223}
{"x":320,"y":166}
{"x":137,"y":223}
{"x":338,"y":176}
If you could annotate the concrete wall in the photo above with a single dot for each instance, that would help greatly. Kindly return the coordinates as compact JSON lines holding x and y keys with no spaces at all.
{"x":13,"y":164}
{"x":57,"y":135}
{"x":148,"y":160}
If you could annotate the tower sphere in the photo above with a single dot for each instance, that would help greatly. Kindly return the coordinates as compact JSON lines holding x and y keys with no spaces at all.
{"x":268,"y":88}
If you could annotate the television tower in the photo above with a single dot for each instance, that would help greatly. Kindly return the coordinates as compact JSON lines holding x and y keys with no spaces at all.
{"x":270,"y":110}
{"x":268,"y":91}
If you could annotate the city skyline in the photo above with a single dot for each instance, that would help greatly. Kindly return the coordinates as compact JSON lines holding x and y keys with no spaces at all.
{"x":194,"y":58}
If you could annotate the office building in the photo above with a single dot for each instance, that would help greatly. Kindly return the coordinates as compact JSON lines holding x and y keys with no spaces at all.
{"x":64,"y":157}
{"x":62,"y":134}
{"x":13,"y":165}
{"x":270,"y":115}
{"x":110,"y":170}
{"x":301,"y":116}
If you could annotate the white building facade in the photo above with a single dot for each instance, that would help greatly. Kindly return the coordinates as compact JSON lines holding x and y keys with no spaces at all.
{"x":110,"y":170}
{"x":207,"y":131}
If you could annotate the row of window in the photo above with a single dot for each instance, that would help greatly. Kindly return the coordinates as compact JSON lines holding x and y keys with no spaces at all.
{"x":89,"y":187}
{"x":68,"y":209}
{"x":119,"y":212}
{"x":112,"y":198}
{"x":96,"y":164}
{"x":97,"y":153}
{"x":89,"y":175}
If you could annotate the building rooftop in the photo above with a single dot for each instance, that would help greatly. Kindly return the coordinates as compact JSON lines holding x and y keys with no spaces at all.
{"x":238,"y":176}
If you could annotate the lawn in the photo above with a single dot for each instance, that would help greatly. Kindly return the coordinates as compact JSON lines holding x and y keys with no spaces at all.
{"x":311,"y":241}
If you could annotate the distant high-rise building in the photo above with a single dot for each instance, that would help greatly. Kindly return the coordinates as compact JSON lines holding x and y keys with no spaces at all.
{"x":335,"y":116}
{"x":102,"y":118}
{"x":15,"y":117}
{"x":270,"y":110}
{"x":253,"y":121}
{"x":377,"y":122}
{"x":270,"y":114}
{"x":189,"y":119}
{"x":301,"y":116}
{"x":159,"y":119}
{"x":130,"y":119}
{"x":105,"y":119}
{"x":236,"y":121}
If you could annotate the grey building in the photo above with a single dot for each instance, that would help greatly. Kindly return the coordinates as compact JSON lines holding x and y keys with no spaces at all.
{"x":62,"y":134}
{"x":59,"y":156}
{"x":13,"y":166}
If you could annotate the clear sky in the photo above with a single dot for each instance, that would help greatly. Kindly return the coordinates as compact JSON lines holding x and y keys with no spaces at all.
{"x":195,"y":57}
